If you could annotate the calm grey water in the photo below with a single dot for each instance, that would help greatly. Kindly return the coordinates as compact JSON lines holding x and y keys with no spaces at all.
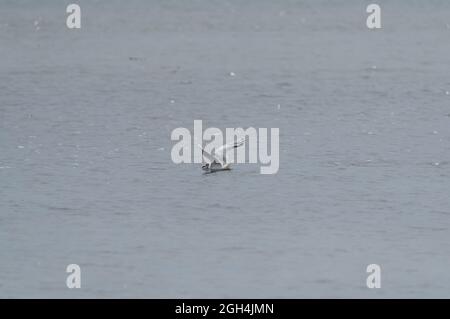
{"x":86,"y":175}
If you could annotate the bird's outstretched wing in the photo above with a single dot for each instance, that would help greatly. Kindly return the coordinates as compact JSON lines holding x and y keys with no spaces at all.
{"x":211,"y":158}
{"x":222,"y":151}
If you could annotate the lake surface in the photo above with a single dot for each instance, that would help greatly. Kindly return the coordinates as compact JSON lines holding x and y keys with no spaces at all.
{"x":86,"y":175}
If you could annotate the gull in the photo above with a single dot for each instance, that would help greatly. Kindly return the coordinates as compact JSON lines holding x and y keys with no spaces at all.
{"x":218,"y":160}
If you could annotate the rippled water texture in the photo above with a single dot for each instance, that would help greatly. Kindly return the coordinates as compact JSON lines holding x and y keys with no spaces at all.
{"x":86,"y":175}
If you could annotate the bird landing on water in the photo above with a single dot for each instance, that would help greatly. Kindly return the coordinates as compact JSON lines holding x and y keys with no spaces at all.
{"x":218,"y":161}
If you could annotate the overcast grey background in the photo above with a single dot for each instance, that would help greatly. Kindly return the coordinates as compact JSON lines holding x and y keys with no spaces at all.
{"x":86,"y":175}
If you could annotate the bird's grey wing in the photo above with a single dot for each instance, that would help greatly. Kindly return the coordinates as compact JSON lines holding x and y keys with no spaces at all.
{"x":221,"y":151}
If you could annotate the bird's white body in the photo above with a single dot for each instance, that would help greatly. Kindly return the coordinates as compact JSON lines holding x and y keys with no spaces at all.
{"x":218,"y":162}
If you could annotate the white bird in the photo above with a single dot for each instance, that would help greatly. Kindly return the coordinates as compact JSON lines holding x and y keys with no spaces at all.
{"x":218,"y":160}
